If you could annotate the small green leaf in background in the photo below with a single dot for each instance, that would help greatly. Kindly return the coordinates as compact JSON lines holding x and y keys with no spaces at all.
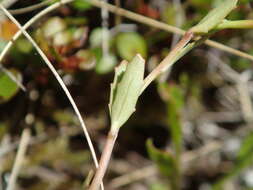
{"x":214,"y":17}
{"x":88,"y":59}
{"x":3,"y":129}
{"x":96,"y":37}
{"x":175,"y":102}
{"x":23,"y":45}
{"x":164,"y":160}
{"x":159,"y":186}
{"x":126,"y":91}
{"x":244,"y":160}
{"x":81,"y":5}
{"x":8,"y":88}
{"x":119,"y":71}
{"x":246,"y":147}
{"x":2,"y":44}
{"x":129,"y":44}
{"x":53,"y":26}
{"x":106,"y":64}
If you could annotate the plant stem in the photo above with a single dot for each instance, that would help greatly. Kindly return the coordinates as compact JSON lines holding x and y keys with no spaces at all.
{"x":29,"y":8}
{"x":168,"y":60}
{"x":25,"y":138}
{"x":104,"y":161}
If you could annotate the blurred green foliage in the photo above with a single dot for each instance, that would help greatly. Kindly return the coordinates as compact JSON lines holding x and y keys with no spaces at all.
{"x":129,"y":44}
{"x":8,"y":88}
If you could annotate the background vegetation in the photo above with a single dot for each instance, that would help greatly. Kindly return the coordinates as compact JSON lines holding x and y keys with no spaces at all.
{"x":192,"y":128}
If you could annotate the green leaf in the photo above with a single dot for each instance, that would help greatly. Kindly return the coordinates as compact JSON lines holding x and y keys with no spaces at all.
{"x":2,"y":44}
{"x":214,"y":17}
{"x":158,"y":186}
{"x":164,"y":160}
{"x":126,"y":91}
{"x":81,"y":5}
{"x":246,"y":147}
{"x":106,"y":64}
{"x":23,"y":45}
{"x":119,"y":71}
{"x":53,"y":26}
{"x":237,"y":24}
{"x":8,"y":88}
{"x":96,"y":36}
{"x":129,"y":44}
{"x":244,"y":160}
{"x":175,"y":102}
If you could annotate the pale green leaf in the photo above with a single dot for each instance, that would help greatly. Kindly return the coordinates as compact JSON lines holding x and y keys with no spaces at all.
{"x":126,"y":93}
{"x":165,"y":161}
{"x":214,"y":17}
{"x":129,"y":44}
{"x":106,"y":64}
{"x":8,"y":88}
{"x":119,"y":71}
{"x":237,"y":24}
{"x":96,"y":36}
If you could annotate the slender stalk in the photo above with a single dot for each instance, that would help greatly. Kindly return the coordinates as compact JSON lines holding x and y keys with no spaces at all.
{"x":104,"y":161}
{"x":168,"y":60}
{"x":29,"y":8}
{"x":117,"y":17}
{"x":19,"y":159}
{"x":105,"y":30}
{"x":51,"y":67}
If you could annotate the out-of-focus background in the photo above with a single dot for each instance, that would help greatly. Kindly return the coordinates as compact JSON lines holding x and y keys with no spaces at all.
{"x":192,"y":128}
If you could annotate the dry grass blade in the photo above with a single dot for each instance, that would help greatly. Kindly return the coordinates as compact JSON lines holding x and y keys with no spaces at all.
{"x":59,"y":80}
{"x":19,"y":159}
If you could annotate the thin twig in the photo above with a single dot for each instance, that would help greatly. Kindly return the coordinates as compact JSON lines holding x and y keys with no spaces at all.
{"x":44,"y":57}
{"x":117,"y":17}
{"x":19,"y":159}
{"x":29,"y":8}
{"x":167,"y":61}
{"x":8,"y":3}
{"x":105,"y":30}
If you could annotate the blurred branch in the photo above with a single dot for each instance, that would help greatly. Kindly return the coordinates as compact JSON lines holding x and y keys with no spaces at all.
{"x":8,"y":3}
{"x":105,"y":29}
{"x":117,"y":17}
{"x":19,"y":159}
{"x":29,"y":8}
{"x":241,"y":80}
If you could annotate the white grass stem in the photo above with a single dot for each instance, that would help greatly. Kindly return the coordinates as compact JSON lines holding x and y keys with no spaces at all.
{"x":19,"y":159}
